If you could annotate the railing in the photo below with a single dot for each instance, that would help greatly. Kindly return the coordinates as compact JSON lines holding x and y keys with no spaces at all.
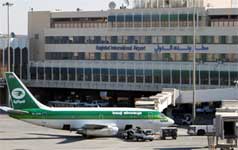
{"x":110,"y":85}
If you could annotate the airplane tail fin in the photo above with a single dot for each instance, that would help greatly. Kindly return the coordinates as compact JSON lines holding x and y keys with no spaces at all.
{"x":21,"y":97}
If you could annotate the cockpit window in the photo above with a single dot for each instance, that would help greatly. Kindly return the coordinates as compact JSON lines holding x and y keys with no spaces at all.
{"x":162,"y":115}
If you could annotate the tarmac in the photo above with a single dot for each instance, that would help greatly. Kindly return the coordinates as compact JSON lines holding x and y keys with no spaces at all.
{"x":18,"y":135}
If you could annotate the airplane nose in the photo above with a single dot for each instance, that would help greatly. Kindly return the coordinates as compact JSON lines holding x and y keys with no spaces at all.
{"x":170,"y":121}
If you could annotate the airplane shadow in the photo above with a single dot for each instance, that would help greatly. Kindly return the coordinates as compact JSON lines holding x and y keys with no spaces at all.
{"x":180,"y":148}
{"x":130,"y":140}
{"x":2,"y":112}
{"x":66,"y":138}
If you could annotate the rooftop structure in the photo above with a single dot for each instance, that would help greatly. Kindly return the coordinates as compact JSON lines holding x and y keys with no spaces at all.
{"x":182,"y":3}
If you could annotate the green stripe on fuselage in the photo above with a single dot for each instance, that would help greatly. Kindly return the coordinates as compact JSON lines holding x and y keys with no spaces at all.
{"x":99,"y":115}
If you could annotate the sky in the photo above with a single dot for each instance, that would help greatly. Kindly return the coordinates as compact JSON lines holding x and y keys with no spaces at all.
{"x":18,"y":12}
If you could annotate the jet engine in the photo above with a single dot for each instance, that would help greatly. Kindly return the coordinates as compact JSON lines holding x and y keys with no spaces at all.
{"x":100,"y":132}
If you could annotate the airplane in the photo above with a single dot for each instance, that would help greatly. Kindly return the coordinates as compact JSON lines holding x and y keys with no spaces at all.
{"x":85,"y":121}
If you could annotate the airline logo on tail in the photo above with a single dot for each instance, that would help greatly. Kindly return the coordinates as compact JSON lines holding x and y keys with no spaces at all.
{"x":18,"y":94}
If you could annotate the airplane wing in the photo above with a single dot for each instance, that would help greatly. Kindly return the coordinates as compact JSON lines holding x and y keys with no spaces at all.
{"x":12,"y":111}
{"x":6,"y":109}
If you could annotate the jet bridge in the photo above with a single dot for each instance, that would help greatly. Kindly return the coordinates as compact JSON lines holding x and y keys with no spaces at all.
{"x":208,"y":95}
{"x":226,"y":126}
{"x":226,"y":131}
{"x":168,"y":97}
{"x":159,"y":101}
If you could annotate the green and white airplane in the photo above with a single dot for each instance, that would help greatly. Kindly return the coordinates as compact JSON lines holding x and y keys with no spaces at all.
{"x":86,"y":121}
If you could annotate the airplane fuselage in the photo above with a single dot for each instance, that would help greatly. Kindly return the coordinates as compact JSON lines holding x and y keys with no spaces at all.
{"x":76,"y":118}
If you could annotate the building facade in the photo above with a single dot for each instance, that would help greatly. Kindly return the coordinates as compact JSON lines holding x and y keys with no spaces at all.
{"x":19,"y":60}
{"x":19,"y":55}
{"x":139,"y":49}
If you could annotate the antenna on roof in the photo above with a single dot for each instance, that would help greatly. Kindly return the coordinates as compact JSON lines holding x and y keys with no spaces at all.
{"x":58,"y":9}
{"x":112,"y":5}
{"x":209,"y":5}
{"x":126,"y":2}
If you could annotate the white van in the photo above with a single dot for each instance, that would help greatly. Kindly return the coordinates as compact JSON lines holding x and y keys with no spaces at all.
{"x":200,"y":129}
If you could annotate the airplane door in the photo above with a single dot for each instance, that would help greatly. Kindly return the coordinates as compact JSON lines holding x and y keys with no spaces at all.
{"x":151,"y":120}
{"x":101,"y":116}
{"x":44,"y":120}
{"x":150,"y":115}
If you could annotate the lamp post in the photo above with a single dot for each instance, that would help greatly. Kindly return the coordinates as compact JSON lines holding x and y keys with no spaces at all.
{"x":8,"y":5}
{"x":194,"y":62}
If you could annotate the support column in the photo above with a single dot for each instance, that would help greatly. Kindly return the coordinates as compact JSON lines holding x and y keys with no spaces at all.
{"x":76,"y":73}
{"x":37,"y":73}
{"x":22,"y":65}
{"x":190,"y":76}
{"x":52,"y":75}
{"x":3,"y":57}
{"x":67,"y":73}
{"x":162,"y":76}
{"x":199,"y":77}
{"x":7,"y":98}
{"x":209,"y":78}
{"x":180,"y":79}
{"x":219,"y":76}
{"x":169,"y":23}
{"x":4,"y":96}
{"x":126,"y":75}
{"x":171,"y":75}
{"x":44,"y":72}
{"x":134,"y":67}
{"x":229,"y":77}
{"x":13,"y":60}
{"x":83,"y":74}
{"x":59,"y":72}
{"x":1,"y":96}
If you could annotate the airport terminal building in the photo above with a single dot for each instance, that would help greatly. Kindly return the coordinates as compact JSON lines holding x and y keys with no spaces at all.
{"x":146,"y":47}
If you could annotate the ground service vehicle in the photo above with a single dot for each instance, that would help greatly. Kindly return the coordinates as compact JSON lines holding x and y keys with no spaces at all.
{"x":168,"y":132}
{"x":200,"y":129}
{"x":138,"y":135}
